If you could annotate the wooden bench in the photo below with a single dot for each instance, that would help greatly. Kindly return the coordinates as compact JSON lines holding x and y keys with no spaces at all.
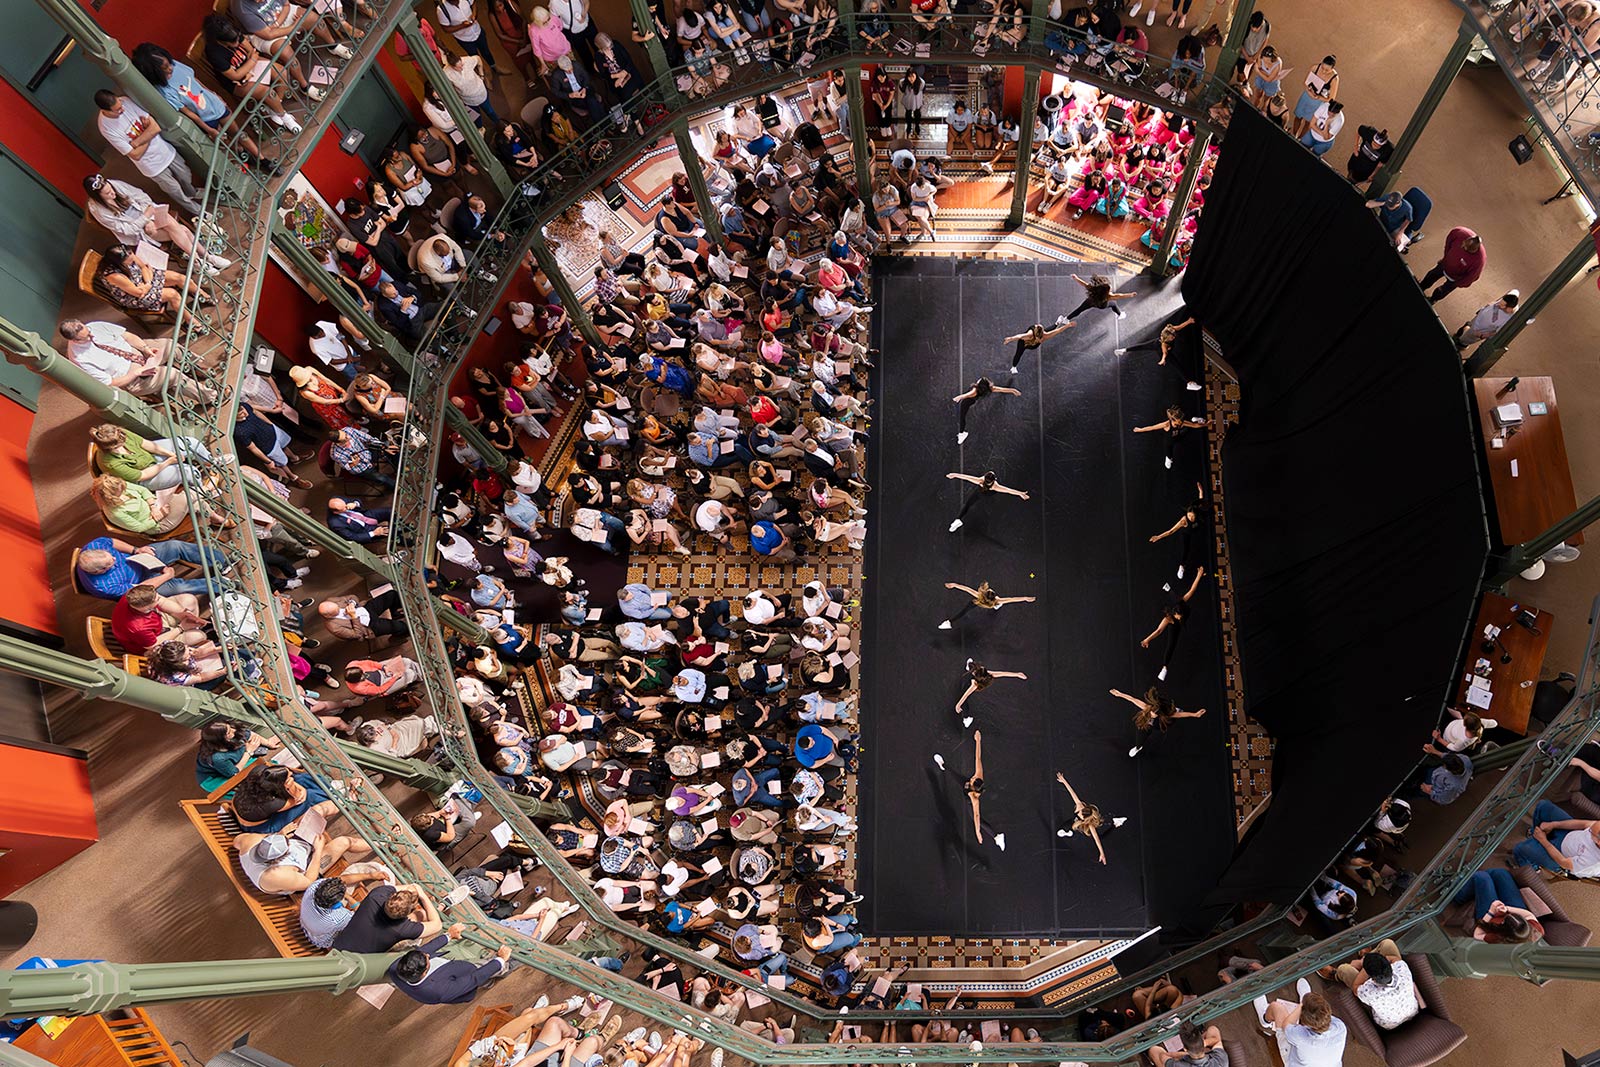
{"x":279,"y":916}
{"x":484,"y":1021}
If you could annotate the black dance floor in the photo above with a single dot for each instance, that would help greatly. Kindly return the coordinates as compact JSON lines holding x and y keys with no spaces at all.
{"x":1080,"y":545}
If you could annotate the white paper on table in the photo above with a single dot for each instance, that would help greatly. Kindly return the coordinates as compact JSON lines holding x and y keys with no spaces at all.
{"x":594,"y":614}
{"x":288,"y":759}
{"x":501,"y":835}
{"x":394,"y":405}
{"x":511,"y":884}
{"x":1479,"y":698}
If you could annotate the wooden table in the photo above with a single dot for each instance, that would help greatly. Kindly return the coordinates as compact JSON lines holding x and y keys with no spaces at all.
{"x":1512,"y":701}
{"x":1541,"y":494}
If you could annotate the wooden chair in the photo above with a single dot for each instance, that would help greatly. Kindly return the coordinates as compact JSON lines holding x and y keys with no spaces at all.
{"x":484,"y":1021}
{"x":102,"y":642}
{"x":279,"y":916}
{"x":138,"y":666}
{"x":72,"y":574}
{"x":1559,"y":927}
{"x":94,"y":460}
{"x":87,"y":284}
{"x":445,"y":214}
{"x":1426,"y":1038}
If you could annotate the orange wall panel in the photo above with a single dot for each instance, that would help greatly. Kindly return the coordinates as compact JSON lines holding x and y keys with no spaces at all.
{"x":46,"y":812}
{"x":29,"y":601}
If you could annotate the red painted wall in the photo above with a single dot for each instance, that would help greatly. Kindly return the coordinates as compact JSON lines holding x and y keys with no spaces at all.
{"x":46,"y":813}
{"x":35,"y":140}
{"x":29,"y":601}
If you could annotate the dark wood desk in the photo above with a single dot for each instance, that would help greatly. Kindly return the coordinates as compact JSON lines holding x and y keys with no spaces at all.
{"x":1541,"y":494}
{"x":1512,"y":701}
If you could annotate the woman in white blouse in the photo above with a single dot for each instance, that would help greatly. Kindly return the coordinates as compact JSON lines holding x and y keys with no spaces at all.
{"x":130,"y":215}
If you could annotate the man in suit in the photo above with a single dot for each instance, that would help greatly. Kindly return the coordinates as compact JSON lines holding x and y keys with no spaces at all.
{"x":347,"y":519}
{"x":402,"y":309}
{"x":471,"y":224}
{"x":569,"y":83}
{"x":427,"y":979}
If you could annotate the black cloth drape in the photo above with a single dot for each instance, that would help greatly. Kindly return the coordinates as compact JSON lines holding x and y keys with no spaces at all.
{"x":1355,"y":521}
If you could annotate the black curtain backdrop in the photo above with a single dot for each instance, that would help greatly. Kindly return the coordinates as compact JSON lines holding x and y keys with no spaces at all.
{"x":1354,"y":517}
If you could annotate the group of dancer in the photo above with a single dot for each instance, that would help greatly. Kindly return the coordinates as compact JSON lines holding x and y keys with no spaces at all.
{"x":1154,"y":711}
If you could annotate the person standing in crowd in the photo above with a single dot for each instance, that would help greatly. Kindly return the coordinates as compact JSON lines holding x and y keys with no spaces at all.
{"x":1325,"y":126}
{"x":1487,"y":320}
{"x":132,"y":131}
{"x":1459,"y":266}
{"x":1371,"y":152}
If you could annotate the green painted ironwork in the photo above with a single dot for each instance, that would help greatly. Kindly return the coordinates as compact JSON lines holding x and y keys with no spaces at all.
{"x":466,"y":124}
{"x":1489,"y":351}
{"x":1443,"y":78}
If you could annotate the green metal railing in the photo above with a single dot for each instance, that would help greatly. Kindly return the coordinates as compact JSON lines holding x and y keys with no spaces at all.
{"x":213,"y":343}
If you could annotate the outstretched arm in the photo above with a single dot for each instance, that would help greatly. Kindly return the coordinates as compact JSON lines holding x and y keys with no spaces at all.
{"x":977,"y":820}
{"x":1188,"y":714}
{"x":1135,"y":701}
{"x":1169,"y":531}
{"x":964,"y":477}
{"x":1102,"y":848}
{"x":1076,"y":803}
{"x":972,"y":687}
{"x":1153,"y":427}
{"x":969,"y":393}
{"x":1007,"y":390}
{"x":1015,"y":600}
{"x":1063,"y":328}
{"x":1008,"y":674}
{"x":1007,"y":489}
{"x":977,"y":739}
{"x":967,"y":589}
{"x":1160,"y":626}
{"x":1199,"y":573}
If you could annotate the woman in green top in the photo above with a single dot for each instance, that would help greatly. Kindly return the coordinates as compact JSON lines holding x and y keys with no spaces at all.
{"x":130,"y":506}
{"x":152,"y":464}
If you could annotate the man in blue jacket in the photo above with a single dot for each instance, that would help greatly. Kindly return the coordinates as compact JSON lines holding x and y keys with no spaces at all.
{"x":429,"y":978}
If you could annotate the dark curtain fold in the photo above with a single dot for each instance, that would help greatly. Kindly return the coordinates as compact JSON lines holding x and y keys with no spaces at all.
{"x":1355,"y":521}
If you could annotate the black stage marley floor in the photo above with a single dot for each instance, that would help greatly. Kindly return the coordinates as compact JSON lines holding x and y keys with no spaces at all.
{"x":1080,"y":545}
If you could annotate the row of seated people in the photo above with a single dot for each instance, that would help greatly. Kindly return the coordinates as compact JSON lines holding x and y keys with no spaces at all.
{"x":714,"y":732}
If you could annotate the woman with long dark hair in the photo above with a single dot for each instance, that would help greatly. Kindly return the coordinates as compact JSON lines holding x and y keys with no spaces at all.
{"x":1153,"y":711}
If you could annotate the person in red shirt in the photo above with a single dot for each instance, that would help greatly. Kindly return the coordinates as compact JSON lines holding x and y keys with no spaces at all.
{"x":358,"y":263}
{"x":763,"y":410}
{"x":1459,"y":266}
{"x":143,"y":618}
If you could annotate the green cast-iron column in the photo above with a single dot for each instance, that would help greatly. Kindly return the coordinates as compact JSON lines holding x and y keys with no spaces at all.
{"x":92,"y":988}
{"x":487,"y":161}
{"x":1030,"y":111}
{"x":696,"y":173}
{"x":1519,"y":558}
{"x":563,"y":287}
{"x":860,"y":143}
{"x":107,"y":54}
{"x":1454,"y":60}
{"x":27,"y":349}
{"x":1531,"y":961}
{"x":183,"y":705}
{"x":1233,"y":44}
{"x":646,"y":21}
{"x":1037,"y":25}
{"x":1488,"y":353}
{"x":1161,"y":266}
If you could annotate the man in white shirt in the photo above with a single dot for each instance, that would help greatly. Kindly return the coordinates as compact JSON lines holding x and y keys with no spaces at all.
{"x":1557,"y":840}
{"x":1488,"y":320}
{"x":1382,"y":981}
{"x":465,"y":74}
{"x":328,"y":345}
{"x":129,"y":129}
{"x":441,"y":259}
{"x":457,"y":18}
{"x":579,"y":28}
{"x":1307,"y":1032}
{"x":1325,"y":126}
{"x":113,"y":356}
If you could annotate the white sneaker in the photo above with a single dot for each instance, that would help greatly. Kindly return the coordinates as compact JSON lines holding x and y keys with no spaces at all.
{"x":542,"y":1002}
{"x":1000,"y":841}
{"x":938,"y":761}
{"x":573,"y":1003}
{"x":1135,"y":750}
{"x":945,"y":625}
{"x":1013,"y":370}
{"x":961,"y":437}
{"x":314,"y":92}
{"x":1133,"y":12}
{"x":1150,"y":19}
{"x":1169,"y":463}
{"x":286,"y":120}
{"x":634,"y":1036}
{"x":1180,"y":572}
{"x":1260,"y":1004}
{"x":342,"y":51}
{"x":1118,"y":821}
{"x":1166,"y":587}
{"x":219,"y":263}
{"x":1162,"y":676}
{"x":302,"y":570}
{"x":313,"y":553}
{"x":1193,"y":387}
{"x":1119,"y":351}
{"x":293,"y":583}
{"x":1063,"y":833}
{"x":655,"y":1041}
{"x":1302,"y":987}
{"x":954,"y":526}
{"x":966,"y":722}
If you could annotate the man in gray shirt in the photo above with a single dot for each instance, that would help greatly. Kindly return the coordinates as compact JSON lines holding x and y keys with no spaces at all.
{"x":1201,"y":1048}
